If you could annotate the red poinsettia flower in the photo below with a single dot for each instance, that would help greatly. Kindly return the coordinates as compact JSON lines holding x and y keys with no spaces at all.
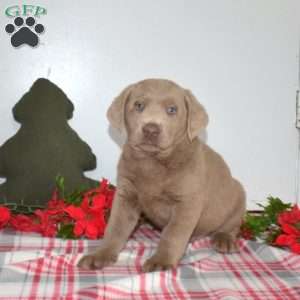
{"x":292,"y":216}
{"x":291,"y":241}
{"x":47,"y":223}
{"x":89,"y":217}
{"x":4,"y":216}
{"x":24,"y":223}
{"x":55,"y":204}
{"x":104,"y":189}
{"x":290,"y":226}
{"x":108,"y":191}
{"x":285,"y":240}
{"x":296,"y":247}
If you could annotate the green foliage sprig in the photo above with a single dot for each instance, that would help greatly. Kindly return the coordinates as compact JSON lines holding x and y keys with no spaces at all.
{"x":263,"y":225}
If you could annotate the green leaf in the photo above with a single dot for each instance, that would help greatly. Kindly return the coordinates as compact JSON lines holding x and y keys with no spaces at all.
{"x":75,"y":197}
{"x":66,"y":231}
{"x":274,"y":208}
{"x":257,"y":224}
{"x":272,"y":235}
{"x":264,"y":225}
{"x":60,"y":184}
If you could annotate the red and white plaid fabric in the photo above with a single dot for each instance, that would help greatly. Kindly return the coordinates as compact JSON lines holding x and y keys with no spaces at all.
{"x":32,"y":267}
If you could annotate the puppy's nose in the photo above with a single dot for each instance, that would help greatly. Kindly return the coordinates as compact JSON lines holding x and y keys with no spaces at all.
{"x":151,"y":130}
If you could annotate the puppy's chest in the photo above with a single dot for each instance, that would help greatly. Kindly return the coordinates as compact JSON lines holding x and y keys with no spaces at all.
{"x":155,"y":196}
{"x":152,"y":181}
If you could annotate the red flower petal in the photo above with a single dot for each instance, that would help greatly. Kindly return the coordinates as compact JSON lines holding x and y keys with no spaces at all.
{"x":289,"y":229}
{"x":4,"y":216}
{"x":291,"y":217}
{"x":79,"y":228}
{"x":100,"y":223}
{"x":296,"y":212}
{"x":283,"y":218}
{"x":75,"y":212}
{"x":98,"y":201}
{"x":91,"y":231}
{"x":285,"y":240}
{"x":43,"y":216}
{"x":85,"y":204}
{"x":56,"y":204}
{"x":24,"y":223}
{"x":103,"y":185}
{"x":295,"y":248}
{"x":50,"y":230}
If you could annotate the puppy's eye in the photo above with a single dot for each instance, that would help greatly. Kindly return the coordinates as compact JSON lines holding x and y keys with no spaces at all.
{"x":172,"y":110}
{"x":139,"y":106}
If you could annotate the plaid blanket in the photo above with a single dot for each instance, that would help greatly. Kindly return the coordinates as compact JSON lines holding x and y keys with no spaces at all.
{"x":32,"y":267}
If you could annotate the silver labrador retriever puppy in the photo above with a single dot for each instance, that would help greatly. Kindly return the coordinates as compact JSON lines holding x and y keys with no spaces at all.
{"x":166,"y":172}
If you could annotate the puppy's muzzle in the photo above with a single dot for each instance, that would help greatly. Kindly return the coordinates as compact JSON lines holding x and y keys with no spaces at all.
{"x":151,"y":131}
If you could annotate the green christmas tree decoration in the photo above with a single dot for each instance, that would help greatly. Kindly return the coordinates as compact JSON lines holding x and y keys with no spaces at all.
{"x":44,"y":147}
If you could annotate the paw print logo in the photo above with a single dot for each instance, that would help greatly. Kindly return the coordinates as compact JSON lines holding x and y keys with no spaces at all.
{"x":24,"y":32}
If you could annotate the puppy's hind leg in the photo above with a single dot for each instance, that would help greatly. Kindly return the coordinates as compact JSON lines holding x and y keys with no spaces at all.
{"x":224,"y":240}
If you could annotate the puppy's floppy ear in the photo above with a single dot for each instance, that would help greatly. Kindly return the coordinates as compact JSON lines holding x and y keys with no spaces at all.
{"x":116,"y":111}
{"x":197,"y":117}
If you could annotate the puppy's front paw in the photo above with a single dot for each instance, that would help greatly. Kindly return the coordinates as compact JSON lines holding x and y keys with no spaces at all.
{"x":98,"y":260}
{"x":157,"y":263}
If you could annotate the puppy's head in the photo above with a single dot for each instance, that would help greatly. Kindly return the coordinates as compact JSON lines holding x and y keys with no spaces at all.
{"x":157,"y":114}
